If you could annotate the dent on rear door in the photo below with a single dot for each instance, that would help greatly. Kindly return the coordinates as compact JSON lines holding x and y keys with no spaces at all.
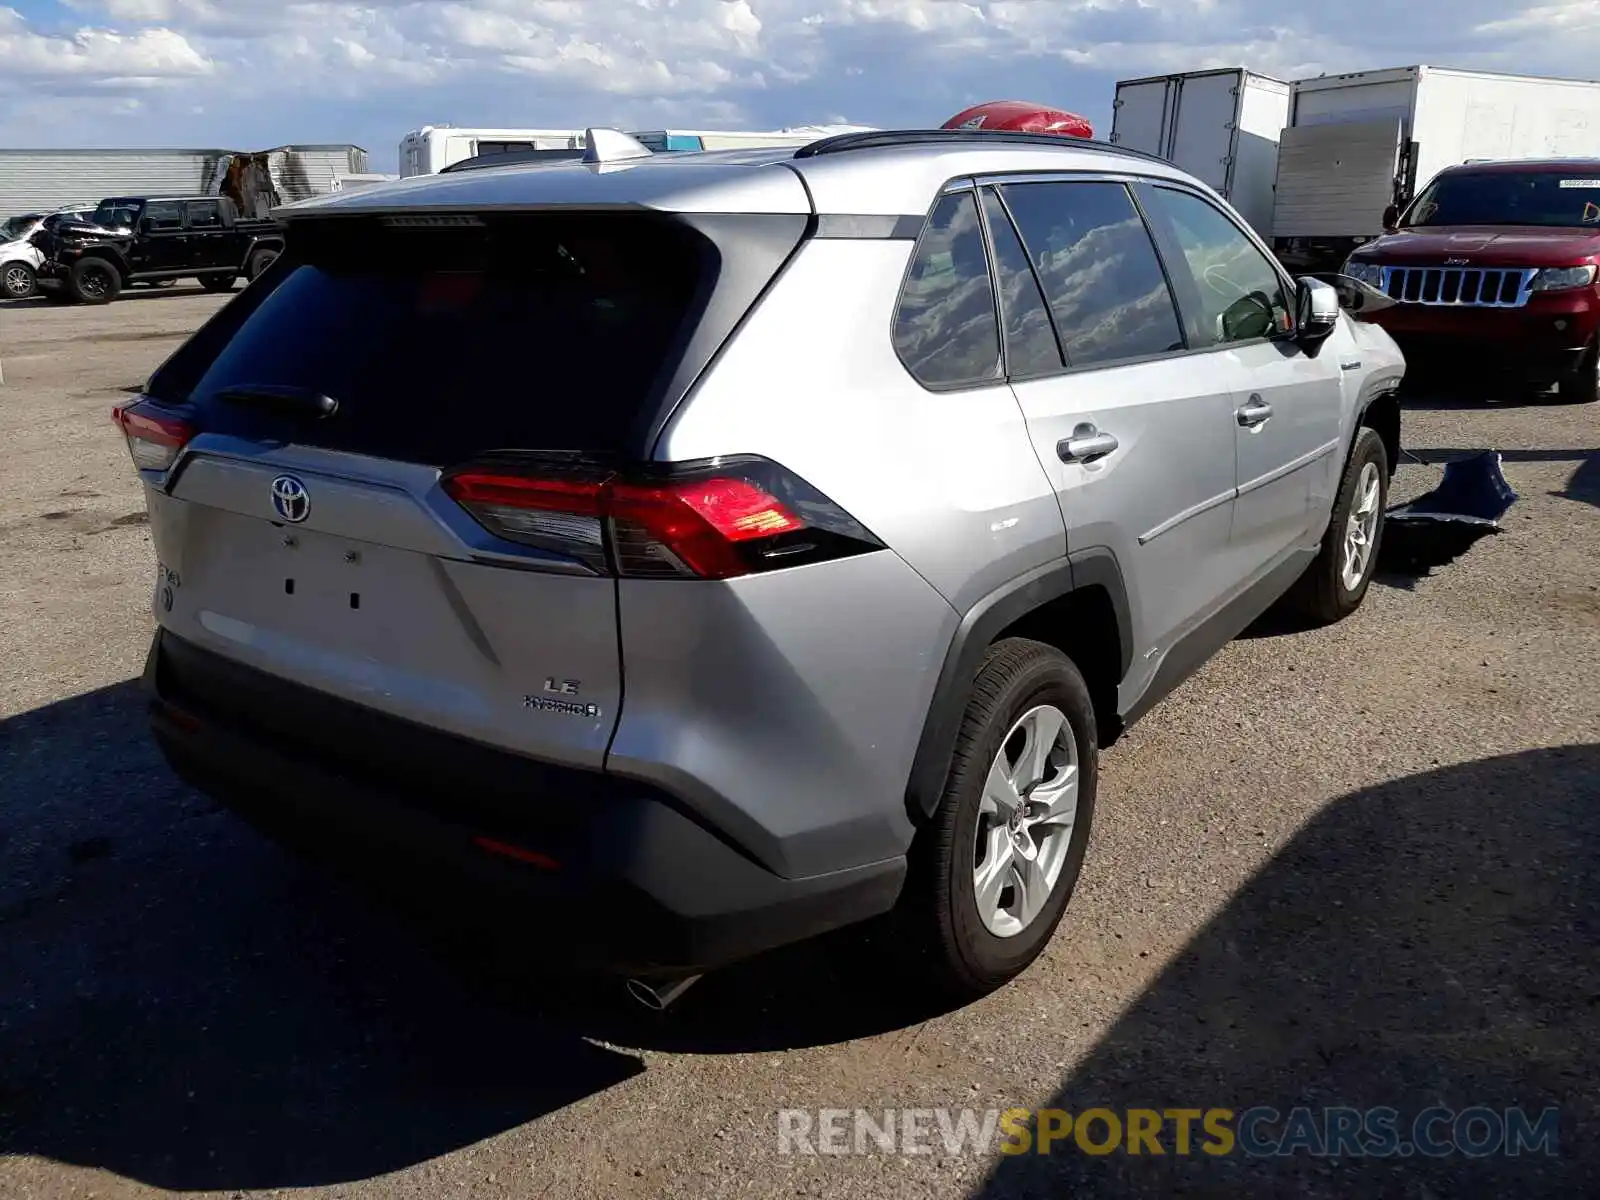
{"x":376,"y":597}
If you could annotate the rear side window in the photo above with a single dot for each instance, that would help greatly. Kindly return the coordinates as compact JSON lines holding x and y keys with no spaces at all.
{"x":536,"y":332}
{"x":1100,"y":270}
{"x":164,"y":214}
{"x":945,"y":330}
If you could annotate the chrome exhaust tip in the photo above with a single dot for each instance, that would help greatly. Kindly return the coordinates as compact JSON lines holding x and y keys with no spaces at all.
{"x":656,"y":996}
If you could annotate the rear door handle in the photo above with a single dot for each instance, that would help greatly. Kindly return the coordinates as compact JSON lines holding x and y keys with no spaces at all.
{"x":1253,"y":412}
{"x":1087,"y":444}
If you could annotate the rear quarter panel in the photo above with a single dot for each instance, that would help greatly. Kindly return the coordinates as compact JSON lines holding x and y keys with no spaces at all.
{"x":816,"y":681}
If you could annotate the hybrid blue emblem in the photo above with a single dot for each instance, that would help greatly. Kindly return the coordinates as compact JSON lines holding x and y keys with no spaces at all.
{"x":290,"y":500}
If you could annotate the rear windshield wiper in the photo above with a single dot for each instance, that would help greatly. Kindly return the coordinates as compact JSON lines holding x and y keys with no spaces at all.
{"x":282,"y":399}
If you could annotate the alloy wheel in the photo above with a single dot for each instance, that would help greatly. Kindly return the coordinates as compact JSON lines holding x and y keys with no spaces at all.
{"x":1025,"y":819}
{"x":1361,"y":528}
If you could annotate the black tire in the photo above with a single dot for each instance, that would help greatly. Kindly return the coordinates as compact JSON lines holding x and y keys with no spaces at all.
{"x":218,"y":283}
{"x":17,"y":281}
{"x":1320,"y":595}
{"x":1582,"y":384}
{"x":938,"y":922}
{"x":259,"y":262}
{"x":95,"y":281}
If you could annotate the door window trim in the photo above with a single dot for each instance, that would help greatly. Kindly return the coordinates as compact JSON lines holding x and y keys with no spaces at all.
{"x":1007,"y":374}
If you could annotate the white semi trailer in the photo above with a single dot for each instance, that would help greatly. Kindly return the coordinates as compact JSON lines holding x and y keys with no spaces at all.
{"x":1361,"y":143}
{"x":1220,"y":126}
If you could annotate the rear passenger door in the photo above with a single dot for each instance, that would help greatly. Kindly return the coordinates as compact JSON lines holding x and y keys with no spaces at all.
{"x":209,"y":243}
{"x":1286,"y":403}
{"x":1136,"y":433}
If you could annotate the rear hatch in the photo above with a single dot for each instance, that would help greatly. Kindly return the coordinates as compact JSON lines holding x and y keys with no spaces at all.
{"x":305,"y":527}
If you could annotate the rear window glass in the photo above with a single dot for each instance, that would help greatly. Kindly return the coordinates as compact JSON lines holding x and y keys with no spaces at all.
{"x":438,"y":343}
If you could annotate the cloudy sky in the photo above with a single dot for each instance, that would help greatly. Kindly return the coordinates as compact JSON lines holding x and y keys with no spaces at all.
{"x":254,"y":73}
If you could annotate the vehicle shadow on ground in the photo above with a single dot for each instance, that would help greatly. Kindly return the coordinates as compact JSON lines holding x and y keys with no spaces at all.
{"x":191,"y":1007}
{"x":1428,"y":941}
{"x":1402,"y":563}
{"x":1446,"y":393}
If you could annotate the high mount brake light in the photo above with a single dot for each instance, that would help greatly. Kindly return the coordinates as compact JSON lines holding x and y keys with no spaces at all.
{"x":734,"y":517}
{"x":154,"y":436}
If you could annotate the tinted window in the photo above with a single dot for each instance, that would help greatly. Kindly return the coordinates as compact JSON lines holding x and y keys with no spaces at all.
{"x":164,"y":214}
{"x":543,"y":333}
{"x":944,"y":328}
{"x":1099,"y":268}
{"x":1030,"y":341}
{"x":1566,"y":198}
{"x":204,"y":214}
{"x":503,"y":147}
{"x":115,"y":214}
{"x":1240,"y":293}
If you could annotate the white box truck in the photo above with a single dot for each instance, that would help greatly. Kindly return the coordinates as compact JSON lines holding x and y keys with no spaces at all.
{"x":1359,"y":143}
{"x":1221,"y":126}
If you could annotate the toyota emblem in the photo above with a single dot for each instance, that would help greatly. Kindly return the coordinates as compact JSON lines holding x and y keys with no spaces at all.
{"x":290,"y":499}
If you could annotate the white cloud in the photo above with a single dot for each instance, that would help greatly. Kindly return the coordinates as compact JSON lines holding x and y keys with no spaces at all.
{"x":99,"y":58}
{"x":367,"y":70}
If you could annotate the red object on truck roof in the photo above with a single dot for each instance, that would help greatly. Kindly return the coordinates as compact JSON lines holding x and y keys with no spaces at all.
{"x":1021,"y":116}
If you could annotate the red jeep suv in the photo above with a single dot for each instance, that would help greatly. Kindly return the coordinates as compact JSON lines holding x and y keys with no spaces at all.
{"x":1493,"y":266}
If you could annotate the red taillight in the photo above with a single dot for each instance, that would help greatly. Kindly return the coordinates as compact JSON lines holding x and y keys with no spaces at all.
{"x":154,"y":438}
{"x":700,"y":523}
{"x":736,"y":508}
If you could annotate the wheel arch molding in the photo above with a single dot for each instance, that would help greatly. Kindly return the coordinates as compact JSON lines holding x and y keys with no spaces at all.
{"x":1090,"y":577}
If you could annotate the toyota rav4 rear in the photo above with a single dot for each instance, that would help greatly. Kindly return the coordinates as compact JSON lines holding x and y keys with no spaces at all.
{"x":410,"y":531}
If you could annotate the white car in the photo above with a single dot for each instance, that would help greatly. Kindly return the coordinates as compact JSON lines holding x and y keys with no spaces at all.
{"x":19,"y":260}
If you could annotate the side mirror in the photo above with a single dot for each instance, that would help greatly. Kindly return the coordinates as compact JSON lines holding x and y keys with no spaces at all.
{"x":1356,"y":296}
{"x":1391,"y":218}
{"x":1316,"y":312}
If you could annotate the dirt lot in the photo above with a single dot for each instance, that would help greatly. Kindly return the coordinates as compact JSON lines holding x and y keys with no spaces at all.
{"x":1351,"y":867}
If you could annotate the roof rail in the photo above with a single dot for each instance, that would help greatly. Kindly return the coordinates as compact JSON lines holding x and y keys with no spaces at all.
{"x":879,"y":139}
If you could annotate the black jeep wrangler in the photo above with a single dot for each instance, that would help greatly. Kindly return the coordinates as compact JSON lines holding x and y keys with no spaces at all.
{"x":149,"y":239}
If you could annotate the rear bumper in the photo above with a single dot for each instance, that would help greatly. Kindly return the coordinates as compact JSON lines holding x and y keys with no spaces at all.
{"x":611,"y":872}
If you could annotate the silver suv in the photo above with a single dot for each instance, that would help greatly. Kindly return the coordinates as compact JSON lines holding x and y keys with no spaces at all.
{"x":718,"y":549}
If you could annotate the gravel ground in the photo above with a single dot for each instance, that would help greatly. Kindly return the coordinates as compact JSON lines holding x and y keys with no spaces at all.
{"x":1346,"y":867}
